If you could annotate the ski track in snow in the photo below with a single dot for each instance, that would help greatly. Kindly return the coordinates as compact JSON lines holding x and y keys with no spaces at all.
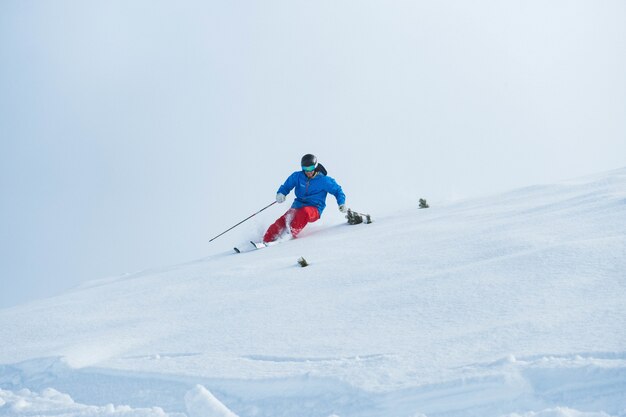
{"x":509,"y":305}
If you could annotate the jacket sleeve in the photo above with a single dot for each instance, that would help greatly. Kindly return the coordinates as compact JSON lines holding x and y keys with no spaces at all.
{"x":289,"y":184}
{"x":335,"y":189}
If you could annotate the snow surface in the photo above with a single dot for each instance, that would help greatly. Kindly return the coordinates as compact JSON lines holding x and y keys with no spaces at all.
{"x":507,"y":305}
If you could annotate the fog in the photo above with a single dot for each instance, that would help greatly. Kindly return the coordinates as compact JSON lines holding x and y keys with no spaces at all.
{"x":133,"y":132}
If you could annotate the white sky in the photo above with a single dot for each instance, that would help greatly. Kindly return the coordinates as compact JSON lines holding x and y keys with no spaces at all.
{"x":133,"y":132}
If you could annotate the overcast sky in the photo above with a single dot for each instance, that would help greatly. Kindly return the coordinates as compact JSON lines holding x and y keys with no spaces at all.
{"x":132,"y":132}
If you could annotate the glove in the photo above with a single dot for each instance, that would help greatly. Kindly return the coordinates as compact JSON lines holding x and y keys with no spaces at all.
{"x":343,"y":208}
{"x":280,"y":198}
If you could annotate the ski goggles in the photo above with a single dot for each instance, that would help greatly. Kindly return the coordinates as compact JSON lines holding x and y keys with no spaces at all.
{"x":309,"y":168}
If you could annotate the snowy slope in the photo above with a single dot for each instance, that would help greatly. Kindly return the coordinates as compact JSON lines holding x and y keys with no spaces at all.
{"x":507,"y":305}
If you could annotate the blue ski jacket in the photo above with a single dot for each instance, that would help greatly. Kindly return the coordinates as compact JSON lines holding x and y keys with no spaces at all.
{"x":312,"y":192}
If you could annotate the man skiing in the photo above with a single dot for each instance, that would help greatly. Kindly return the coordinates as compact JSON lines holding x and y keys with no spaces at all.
{"x":312,"y":185}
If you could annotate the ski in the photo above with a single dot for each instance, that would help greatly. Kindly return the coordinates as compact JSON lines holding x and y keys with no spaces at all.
{"x":258,"y":245}
{"x":255,"y":245}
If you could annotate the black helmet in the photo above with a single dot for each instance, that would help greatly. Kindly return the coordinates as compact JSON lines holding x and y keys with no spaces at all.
{"x":309,"y":160}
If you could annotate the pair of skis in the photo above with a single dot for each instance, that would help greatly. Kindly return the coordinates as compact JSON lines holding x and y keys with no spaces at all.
{"x":352,"y":216}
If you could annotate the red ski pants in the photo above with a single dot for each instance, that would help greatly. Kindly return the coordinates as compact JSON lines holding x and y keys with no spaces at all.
{"x":295,"y":218}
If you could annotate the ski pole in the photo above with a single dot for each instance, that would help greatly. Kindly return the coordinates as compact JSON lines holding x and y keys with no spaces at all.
{"x":247,"y":218}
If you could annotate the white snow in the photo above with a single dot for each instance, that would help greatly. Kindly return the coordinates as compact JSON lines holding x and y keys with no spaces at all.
{"x":201,"y":403}
{"x":507,"y":305}
{"x":53,"y":403}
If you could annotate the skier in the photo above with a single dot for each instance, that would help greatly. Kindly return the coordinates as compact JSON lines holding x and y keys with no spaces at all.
{"x":311,"y":187}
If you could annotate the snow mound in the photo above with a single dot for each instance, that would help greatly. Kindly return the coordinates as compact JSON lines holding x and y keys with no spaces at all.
{"x":201,"y":403}
{"x":52,"y":403}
